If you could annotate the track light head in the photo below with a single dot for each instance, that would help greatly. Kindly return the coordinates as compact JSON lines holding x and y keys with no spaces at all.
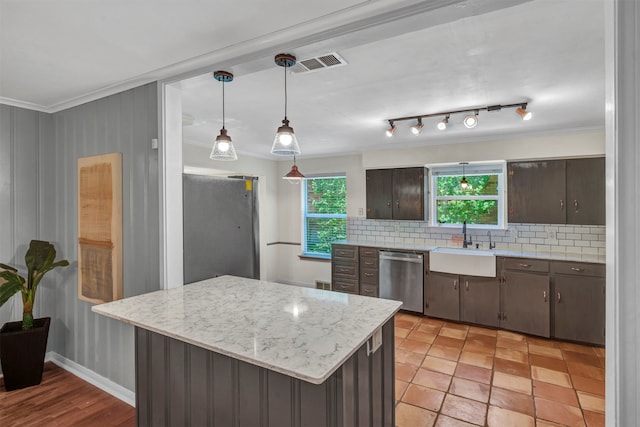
{"x":392,"y":128}
{"x":471,"y":120}
{"x":442,"y":124}
{"x":526,"y":115}
{"x":417,"y":128}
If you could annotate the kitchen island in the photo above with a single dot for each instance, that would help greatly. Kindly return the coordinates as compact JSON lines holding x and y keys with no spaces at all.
{"x":236,"y":351}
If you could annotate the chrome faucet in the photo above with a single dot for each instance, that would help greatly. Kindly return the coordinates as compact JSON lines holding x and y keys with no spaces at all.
{"x":491,"y":245}
{"x":465,"y":242}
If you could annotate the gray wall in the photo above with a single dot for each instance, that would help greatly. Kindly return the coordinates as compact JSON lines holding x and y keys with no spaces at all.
{"x":23,"y":133}
{"x":126,"y":123}
{"x":38,"y":199}
{"x":623,"y":212}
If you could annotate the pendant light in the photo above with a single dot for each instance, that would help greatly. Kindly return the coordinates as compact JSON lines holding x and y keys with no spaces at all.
{"x":464,"y":184}
{"x":285,"y":142}
{"x":223,"y":148}
{"x":294,"y":176}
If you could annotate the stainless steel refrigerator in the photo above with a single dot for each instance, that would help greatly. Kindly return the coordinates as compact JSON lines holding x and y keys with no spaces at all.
{"x":220,"y":221}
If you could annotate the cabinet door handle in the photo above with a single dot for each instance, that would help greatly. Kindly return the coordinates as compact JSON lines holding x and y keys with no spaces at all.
{"x":559,"y":297}
{"x":577,"y":269}
{"x":466,"y":284}
{"x":388,"y":203}
{"x":575,"y":205}
{"x":455,"y":285}
{"x":398,"y":204}
{"x":525,"y":265}
{"x":561,"y":204}
{"x":544,"y":294}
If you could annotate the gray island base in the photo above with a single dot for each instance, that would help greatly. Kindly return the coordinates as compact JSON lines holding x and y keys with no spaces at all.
{"x":240,"y":352}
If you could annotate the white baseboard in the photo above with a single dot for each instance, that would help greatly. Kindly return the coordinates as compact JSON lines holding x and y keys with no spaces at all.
{"x":103,"y":383}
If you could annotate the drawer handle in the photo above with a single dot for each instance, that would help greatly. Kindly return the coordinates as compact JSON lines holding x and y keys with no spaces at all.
{"x":577,"y":269}
{"x":525,"y":265}
{"x":343,"y":270}
{"x":368,"y":274}
{"x":544,"y":294}
{"x":369,"y":263}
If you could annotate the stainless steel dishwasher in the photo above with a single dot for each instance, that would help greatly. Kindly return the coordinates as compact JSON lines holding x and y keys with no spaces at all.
{"x":402,"y":278}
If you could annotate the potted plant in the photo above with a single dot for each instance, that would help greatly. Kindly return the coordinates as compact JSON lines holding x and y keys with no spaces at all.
{"x":23,"y":344}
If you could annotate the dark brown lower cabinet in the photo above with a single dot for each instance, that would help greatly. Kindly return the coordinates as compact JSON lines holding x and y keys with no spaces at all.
{"x":442,"y":296}
{"x":525,"y":303}
{"x":579,"y":302}
{"x":480,"y":300}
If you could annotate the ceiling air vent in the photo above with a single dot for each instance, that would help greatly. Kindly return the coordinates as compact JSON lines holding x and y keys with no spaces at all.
{"x":321,"y":62}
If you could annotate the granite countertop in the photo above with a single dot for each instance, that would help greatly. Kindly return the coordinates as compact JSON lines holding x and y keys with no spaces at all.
{"x":552,"y":256}
{"x":301,"y":332}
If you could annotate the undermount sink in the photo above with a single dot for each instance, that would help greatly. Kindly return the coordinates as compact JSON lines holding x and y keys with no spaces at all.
{"x":469,"y":262}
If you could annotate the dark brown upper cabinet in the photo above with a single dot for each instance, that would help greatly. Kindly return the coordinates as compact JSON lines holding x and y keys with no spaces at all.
{"x":565,"y":191}
{"x":396,"y":193}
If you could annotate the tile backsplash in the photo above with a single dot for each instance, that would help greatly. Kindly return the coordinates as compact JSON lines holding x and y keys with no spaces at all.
{"x":585,"y":239}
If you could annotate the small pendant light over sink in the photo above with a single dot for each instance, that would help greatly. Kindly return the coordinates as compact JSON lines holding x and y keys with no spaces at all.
{"x":464,"y":184}
{"x":223,"y":148}
{"x":294,"y":176}
{"x":285,"y":142}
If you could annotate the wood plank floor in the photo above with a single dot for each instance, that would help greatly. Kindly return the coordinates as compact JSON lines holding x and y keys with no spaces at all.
{"x":62,"y":399}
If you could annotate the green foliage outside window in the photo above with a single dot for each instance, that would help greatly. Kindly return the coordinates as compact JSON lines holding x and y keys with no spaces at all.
{"x":325,"y":213}
{"x":477,"y":204}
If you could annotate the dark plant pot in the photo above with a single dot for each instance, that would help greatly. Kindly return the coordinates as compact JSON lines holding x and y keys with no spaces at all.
{"x":22,"y":353}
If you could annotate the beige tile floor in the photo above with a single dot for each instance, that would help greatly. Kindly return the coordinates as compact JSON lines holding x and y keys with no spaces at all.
{"x":454,"y":375}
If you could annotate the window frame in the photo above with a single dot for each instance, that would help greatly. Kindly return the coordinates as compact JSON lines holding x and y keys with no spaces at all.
{"x":305,"y":214}
{"x":473,"y":168}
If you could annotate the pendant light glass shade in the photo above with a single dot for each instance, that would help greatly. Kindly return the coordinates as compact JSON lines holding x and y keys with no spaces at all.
{"x":223,"y":148}
{"x":285,"y":143}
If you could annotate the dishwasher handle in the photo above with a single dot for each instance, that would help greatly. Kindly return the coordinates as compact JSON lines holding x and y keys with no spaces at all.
{"x":401,"y":256}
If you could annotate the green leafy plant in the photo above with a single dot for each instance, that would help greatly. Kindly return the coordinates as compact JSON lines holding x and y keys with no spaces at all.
{"x":40,"y":258}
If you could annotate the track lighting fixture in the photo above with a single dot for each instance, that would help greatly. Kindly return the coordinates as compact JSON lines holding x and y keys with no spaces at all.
{"x":470,"y":120}
{"x":442,"y":124}
{"x":294,"y":176}
{"x":526,"y":115}
{"x":285,"y":142}
{"x":392,"y":129}
{"x":417,"y":128}
{"x":223,"y":148}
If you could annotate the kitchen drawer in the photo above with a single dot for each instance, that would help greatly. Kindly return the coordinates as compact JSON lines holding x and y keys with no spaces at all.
{"x":526,"y":264}
{"x":369,"y":275}
{"x":578,"y":268}
{"x":369,"y":290}
{"x":369,"y":262}
{"x":348,"y":286}
{"x":344,"y":253}
{"x":369,"y":252}
{"x":349,"y":270}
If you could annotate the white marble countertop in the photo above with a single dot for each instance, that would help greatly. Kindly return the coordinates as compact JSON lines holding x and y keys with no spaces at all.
{"x":552,"y":256}
{"x":301,"y":332}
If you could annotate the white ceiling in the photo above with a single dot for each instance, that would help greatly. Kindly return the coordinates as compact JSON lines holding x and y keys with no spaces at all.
{"x":448,"y":55}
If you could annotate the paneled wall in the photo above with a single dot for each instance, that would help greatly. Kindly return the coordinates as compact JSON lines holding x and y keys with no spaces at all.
{"x":126,"y":123}
{"x":23,"y":134}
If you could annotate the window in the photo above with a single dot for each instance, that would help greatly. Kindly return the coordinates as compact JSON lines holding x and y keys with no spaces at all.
{"x":325,"y":214}
{"x":481,"y":203}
